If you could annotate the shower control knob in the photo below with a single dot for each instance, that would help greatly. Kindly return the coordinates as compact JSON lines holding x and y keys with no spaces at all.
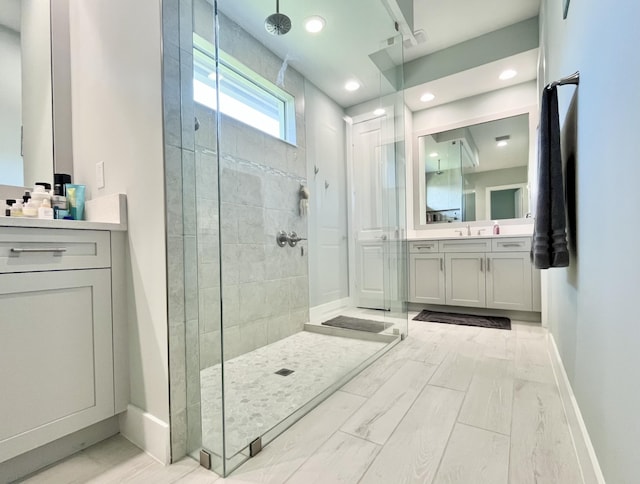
{"x":282,"y":238}
{"x":294,"y":239}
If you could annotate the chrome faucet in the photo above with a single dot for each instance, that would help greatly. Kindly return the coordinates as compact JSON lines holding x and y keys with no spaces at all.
{"x":468,"y":229}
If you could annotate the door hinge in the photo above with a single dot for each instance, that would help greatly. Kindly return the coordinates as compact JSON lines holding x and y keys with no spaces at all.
{"x":255,"y":447}
{"x":205,"y":459}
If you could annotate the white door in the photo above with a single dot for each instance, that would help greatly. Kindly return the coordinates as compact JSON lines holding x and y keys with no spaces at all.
{"x":368,"y":169}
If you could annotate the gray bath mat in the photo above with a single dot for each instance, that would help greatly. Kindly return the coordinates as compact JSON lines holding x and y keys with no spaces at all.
{"x":357,"y":324}
{"x":495,"y":322}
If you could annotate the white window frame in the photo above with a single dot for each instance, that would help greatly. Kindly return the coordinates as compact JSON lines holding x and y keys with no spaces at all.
{"x":245,"y":95}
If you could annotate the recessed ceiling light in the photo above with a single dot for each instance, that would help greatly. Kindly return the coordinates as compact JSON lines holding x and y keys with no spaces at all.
{"x":508,"y":74}
{"x":433,"y":155}
{"x":426,"y":97}
{"x":314,"y":24}
{"x":379,"y":112}
{"x":352,"y":86}
{"x":501,"y":141}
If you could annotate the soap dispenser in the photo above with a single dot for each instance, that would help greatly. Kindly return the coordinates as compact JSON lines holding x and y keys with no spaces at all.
{"x":496,"y":228}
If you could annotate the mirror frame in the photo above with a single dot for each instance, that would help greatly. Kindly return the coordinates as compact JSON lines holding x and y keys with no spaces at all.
{"x":531,"y":110}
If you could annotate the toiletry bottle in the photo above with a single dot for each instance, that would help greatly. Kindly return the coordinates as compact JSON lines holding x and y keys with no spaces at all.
{"x":39,"y":194}
{"x":7,"y":208}
{"x":30,"y":209}
{"x":16,"y":209}
{"x":45,"y":211}
{"x":496,"y":228}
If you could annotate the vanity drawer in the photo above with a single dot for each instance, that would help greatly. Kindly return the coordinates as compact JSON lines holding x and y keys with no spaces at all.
{"x":465,"y":245}
{"x":512,"y":244}
{"x":34,"y":249}
{"x":423,"y":246}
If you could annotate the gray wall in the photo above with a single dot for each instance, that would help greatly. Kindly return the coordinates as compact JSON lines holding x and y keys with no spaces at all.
{"x":483,"y":179}
{"x":592,"y":305}
{"x":328,"y":250}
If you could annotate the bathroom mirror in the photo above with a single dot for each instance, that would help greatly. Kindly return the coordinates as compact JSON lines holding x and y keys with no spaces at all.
{"x":34,"y":55}
{"x":473,"y":173}
{"x":26,"y":129}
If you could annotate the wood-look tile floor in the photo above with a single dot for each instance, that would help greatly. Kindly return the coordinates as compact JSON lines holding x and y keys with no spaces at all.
{"x":451,"y":404}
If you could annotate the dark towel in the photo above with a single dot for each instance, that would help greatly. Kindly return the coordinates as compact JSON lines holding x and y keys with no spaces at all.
{"x":549,"y":245}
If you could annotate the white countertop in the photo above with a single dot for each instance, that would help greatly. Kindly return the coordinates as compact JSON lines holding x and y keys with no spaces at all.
{"x":60,"y":224}
{"x":103,"y":213}
{"x":468,"y":237}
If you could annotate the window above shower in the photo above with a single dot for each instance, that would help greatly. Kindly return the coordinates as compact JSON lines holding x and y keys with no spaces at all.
{"x":244,"y":94}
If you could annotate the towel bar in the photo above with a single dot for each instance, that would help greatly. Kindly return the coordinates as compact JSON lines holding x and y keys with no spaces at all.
{"x":572,"y":79}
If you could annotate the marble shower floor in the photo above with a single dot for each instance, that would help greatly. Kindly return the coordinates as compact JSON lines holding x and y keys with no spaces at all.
{"x":257,"y":399}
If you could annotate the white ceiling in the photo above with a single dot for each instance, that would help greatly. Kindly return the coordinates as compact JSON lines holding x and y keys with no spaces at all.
{"x":357,"y":28}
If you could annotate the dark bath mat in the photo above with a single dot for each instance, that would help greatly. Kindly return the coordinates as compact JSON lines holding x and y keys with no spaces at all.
{"x":357,"y":324}
{"x":495,"y":322}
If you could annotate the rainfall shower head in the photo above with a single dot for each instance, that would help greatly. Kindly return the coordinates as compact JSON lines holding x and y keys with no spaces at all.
{"x":277,"y":23}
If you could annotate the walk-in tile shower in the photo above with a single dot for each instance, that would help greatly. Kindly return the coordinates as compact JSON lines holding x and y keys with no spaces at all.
{"x":285,"y":208}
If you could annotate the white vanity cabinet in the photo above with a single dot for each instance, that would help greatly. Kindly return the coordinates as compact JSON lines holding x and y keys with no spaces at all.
{"x":426,"y":273}
{"x":493,"y":273}
{"x":465,"y":279}
{"x":56,"y":335}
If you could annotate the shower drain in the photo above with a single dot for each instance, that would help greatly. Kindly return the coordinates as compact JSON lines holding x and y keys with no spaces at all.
{"x":284,"y":372}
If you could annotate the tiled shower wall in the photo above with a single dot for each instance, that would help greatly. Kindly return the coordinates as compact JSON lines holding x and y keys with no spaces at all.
{"x":264,"y":287}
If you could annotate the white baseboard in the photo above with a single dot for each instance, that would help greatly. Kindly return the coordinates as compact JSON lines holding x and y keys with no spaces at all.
{"x":147,"y":432}
{"x":589,"y":465}
{"x":320,"y":313}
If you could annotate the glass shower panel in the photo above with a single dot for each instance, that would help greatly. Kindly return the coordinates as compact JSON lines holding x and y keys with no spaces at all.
{"x":273,"y":239}
{"x":206,"y":431}
{"x":392,"y":193}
